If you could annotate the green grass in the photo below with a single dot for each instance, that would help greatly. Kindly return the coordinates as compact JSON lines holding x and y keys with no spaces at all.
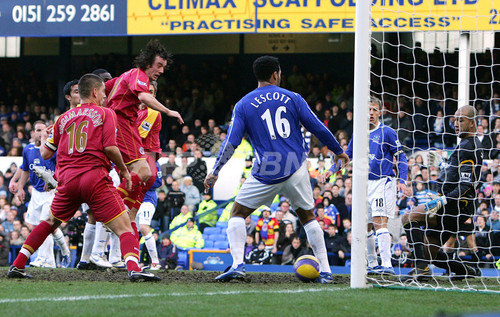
{"x":97,"y":298}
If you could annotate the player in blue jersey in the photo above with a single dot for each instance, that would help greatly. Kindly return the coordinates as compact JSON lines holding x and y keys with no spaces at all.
{"x":41,"y":199}
{"x":272,"y":118}
{"x":382,"y":185}
{"x":145,"y":215}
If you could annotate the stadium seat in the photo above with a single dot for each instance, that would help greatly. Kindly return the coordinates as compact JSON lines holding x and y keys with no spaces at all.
{"x":221,"y":224}
{"x":209,"y":244}
{"x":254,"y":218}
{"x":206,"y":236}
{"x":223,"y":231}
{"x":211,"y":230}
{"x":218,"y":237}
{"x":219,"y":212}
{"x":183,"y":259}
{"x":221,"y":245}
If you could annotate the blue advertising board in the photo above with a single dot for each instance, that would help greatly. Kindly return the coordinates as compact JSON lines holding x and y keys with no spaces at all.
{"x":63,"y":18}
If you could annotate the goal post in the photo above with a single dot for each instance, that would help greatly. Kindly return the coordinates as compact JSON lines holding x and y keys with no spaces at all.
{"x":424,"y":60}
{"x":360,"y":146}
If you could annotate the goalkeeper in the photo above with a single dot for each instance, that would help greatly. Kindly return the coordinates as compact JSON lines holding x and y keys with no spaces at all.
{"x":444,"y":216}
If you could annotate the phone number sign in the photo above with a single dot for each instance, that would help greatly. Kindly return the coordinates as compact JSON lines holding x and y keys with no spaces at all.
{"x":63,"y":18}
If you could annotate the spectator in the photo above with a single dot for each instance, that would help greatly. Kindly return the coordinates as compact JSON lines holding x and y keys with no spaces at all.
{"x":171,"y":146}
{"x":286,"y":238}
{"x":259,"y":255}
{"x":169,"y":167}
{"x":249,"y":244}
{"x":176,"y":199}
{"x":15,"y":238}
{"x":167,"y":253}
{"x":192,"y":193}
{"x":331,"y":211}
{"x":268,"y":231}
{"x":206,"y":139}
{"x":293,"y":251}
{"x":494,"y":221}
{"x":188,"y":236}
{"x":207,"y":219}
{"x":320,"y":213}
{"x":181,"y":171}
{"x":198,"y":170}
{"x":8,"y":224}
{"x":287,"y":214}
{"x":161,"y":217}
{"x":250,"y":226}
{"x":181,"y":218}
{"x":4,"y":250}
{"x":218,"y":142}
{"x":483,"y":238}
{"x":334,"y":244}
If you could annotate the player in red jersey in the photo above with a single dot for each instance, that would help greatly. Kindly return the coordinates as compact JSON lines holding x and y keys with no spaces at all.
{"x":126,"y":93}
{"x":85,"y":140}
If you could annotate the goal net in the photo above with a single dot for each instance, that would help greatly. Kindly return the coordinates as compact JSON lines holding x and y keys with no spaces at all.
{"x":427,"y":59}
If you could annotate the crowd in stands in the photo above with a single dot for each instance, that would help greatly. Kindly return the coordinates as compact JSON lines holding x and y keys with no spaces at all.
{"x":275,"y":235}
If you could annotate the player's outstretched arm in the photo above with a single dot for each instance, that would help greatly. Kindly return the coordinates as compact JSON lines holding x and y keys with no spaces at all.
{"x":114,"y":155}
{"x":150,"y":101}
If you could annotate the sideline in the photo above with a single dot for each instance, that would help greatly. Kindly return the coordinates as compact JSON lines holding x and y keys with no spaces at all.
{"x":107,"y":297}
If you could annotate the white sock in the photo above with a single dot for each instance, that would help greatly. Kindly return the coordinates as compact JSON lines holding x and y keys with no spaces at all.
{"x":49,"y":251}
{"x":371,"y":254}
{"x":384,"y":245}
{"x":88,"y":241}
{"x":237,"y":236}
{"x":60,"y":241}
{"x":115,"y":254}
{"x":101,"y":235}
{"x":151,"y":246}
{"x":316,"y":239}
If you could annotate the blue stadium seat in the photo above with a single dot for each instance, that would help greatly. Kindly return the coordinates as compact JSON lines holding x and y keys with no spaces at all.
{"x":218,"y":237}
{"x":221,"y":224}
{"x":209,"y":244}
{"x":211,"y":230}
{"x":183,"y":259}
{"x":219,"y":212}
{"x":221,"y":245}
{"x":206,"y":236}
{"x":223,"y":231}
{"x":254,"y":218}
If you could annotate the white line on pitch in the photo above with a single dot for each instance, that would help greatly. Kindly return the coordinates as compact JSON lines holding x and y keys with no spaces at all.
{"x":94,"y":297}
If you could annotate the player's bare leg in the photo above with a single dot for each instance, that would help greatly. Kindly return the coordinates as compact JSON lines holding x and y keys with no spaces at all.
{"x":316,"y":239}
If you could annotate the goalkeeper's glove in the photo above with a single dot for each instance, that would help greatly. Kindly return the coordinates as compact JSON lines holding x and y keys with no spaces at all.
{"x":434,"y":205}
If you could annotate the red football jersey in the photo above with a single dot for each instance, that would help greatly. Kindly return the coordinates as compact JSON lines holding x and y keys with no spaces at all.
{"x":149,"y":128}
{"x":79,"y":137}
{"x":123,"y":93}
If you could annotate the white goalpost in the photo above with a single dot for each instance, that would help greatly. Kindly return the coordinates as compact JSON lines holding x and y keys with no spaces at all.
{"x":426,"y":59}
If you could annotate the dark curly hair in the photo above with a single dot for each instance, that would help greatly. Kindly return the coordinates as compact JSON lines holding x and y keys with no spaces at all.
{"x":147,"y":55}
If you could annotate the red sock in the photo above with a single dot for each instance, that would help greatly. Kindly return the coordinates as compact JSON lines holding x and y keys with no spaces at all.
{"x":33,"y":242}
{"x":122,"y":188}
{"x":134,"y":227}
{"x":129,"y":246}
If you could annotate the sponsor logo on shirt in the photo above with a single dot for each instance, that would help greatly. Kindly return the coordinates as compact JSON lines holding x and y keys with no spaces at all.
{"x":141,"y":83}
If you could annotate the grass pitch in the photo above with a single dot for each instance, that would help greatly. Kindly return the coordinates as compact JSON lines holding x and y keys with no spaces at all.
{"x":65,"y":292}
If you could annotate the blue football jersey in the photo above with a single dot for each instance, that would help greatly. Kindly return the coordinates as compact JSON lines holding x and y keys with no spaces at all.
{"x":32,"y":157}
{"x":384,"y":146}
{"x":158,"y":179}
{"x":271,"y":117}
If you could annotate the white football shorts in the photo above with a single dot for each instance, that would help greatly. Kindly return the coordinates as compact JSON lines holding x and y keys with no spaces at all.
{"x":39,"y":206}
{"x":297,"y":189}
{"x":382,"y":198}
